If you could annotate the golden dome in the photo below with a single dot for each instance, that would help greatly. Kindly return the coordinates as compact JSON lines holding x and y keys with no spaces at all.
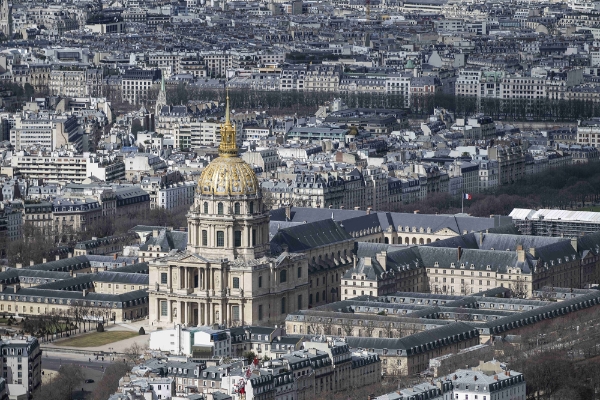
{"x":228,"y":174}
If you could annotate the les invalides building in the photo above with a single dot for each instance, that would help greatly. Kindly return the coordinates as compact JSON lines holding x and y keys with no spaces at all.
{"x":226,"y":275}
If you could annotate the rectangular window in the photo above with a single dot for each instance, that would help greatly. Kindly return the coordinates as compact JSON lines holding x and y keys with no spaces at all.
{"x":204,"y":238}
{"x":235,"y":313}
{"x":237,"y":238}
{"x":236,"y":283}
{"x":163,"y":308}
{"x":299,"y":302}
{"x":163,"y":278}
{"x":260,"y":281}
{"x":299,"y":272}
{"x":260,"y":312}
{"x":220,"y":239}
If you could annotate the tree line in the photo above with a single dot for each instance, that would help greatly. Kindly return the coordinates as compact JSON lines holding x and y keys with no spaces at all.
{"x":305,"y":102}
{"x":570,"y":187}
{"x":37,"y":243}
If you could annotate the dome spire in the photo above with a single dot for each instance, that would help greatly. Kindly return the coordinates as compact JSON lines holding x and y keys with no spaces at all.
{"x":228,"y":146}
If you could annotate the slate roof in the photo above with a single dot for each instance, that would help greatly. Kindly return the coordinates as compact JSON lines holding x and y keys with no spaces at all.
{"x":66,"y":295}
{"x":417,"y":343}
{"x":121,"y":277}
{"x":167,"y":240}
{"x":66,"y":264}
{"x":357,"y":220}
{"x":308,"y":236}
{"x":139,"y":268}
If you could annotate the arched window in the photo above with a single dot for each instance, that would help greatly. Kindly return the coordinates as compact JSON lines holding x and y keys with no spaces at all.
{"x":205,"y":207}
{"x":282,"y":276}
{"x":236,"y":208}
{"x":220,"y":209}
{"x":251,"y":207}
{"x":283,"y":308}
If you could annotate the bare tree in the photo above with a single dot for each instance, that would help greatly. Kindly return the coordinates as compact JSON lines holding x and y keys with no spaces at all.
{"x":348,"y":326}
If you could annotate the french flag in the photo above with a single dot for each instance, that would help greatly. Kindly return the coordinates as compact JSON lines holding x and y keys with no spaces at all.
{"x":467,"y":196}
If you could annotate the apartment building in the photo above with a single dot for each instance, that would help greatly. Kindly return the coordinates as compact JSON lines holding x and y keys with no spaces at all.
{"x":50,"y":167}
{"x":46,"y":131}
{"x":322,"y":78}
{"x":511,"y":161}
{"x":217,"y":63}
{"x":136,"y":85}
{"x":21,"y":365}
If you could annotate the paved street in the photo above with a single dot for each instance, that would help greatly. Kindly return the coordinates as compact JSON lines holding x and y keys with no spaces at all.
{"x":91,"y":370}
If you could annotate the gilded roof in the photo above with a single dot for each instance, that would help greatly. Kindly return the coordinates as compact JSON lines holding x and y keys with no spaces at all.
{"x":228,"y":176}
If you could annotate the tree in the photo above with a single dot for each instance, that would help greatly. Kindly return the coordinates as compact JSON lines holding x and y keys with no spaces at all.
{"x":249,"y":356}
{"x":133,"y":352}
{"x":110,"y":381}
{"x":348,"y":326}
{"x":68,"y":379}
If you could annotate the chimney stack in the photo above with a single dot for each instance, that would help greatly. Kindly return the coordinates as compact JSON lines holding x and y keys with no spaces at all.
{"x":520,"y":253}
{"x":57,"y":257}
{"x":369,"y":210}
{"x":574,"y":243}
{"x":381,"y":259}
{"x":70,"y":255}
{"x":31,"y":263}
{"x":495,"y":377}
{"x":532,"y":251}
{"x":354,"y":260}
{"x":115,"y":256}
{"x":288,"y":212}
{"x":18,"y":265}
{"x":44,"y":260}
{"x":367,"y":260}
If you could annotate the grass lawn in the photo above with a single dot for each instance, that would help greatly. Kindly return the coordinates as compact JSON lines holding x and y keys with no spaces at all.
{"x":95,"y":339}
{"x":590,"y":208}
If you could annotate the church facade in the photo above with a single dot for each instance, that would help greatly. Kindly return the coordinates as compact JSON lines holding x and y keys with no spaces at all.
{"x":226,"y":275}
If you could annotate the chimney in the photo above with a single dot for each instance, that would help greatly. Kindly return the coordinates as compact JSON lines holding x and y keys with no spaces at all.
{"x":70,"y":255}
{"x":17,"y":287}
{"x":84,"y":292}
{"x":495,"y":377}
{"x":2,"y":287}
{"x":57,"y":257}
{"x":31,"y":263}
{"x":71,"y":272}
{"x":155,"y":233}
{"x":367,"y":261}
{"x":532,"y":251}
{"x":368,"y":210}
{"x":475,"y":377}
{"x":574,"y":243}
{"x":115,"y":256}
{"x":381,"y":259}
{"x":480,"y":239}
{"x":18,"y":265}
{"x":288,"y":212}
{"x":416,"y":212}
{"x":354,"y":260}
{"x":520,"y":253}
{"x":356,"y":208}
{"x":44,"y":260}
{"x":330,"y":206}
{"x":507,"y":373}
{"x":459,"y":253}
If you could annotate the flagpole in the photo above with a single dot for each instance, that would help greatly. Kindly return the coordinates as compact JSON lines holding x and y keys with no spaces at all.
{"x":462,"y":203}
